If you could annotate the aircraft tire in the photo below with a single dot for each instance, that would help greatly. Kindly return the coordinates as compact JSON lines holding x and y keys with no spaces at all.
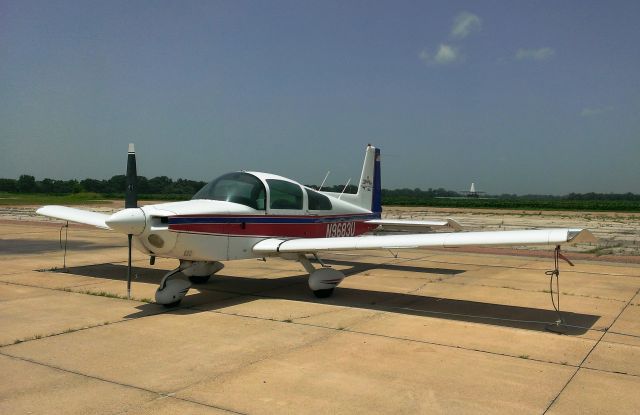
{"x":199,"y":279}
{"x":326,"y":293}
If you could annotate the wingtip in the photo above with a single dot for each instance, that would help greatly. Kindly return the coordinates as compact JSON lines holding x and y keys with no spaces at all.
{"x":42,"y":210}
{"x":581,"y":236}
{"x":455,"y":225}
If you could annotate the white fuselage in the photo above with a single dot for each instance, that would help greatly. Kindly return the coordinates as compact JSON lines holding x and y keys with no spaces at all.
{"x":212,"y":230}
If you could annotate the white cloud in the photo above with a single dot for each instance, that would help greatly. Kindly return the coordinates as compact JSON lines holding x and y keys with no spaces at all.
{"x":464,"y":24}
{"x":445,"y":54}
{"x":540,"y":54}
{"x":591,"y":112}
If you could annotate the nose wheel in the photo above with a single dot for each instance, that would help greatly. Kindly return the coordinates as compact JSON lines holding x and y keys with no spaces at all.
{"x":199,"y":279}
{"x":172,"y":291}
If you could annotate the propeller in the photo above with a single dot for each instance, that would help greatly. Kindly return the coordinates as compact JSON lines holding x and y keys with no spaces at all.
{"x":131,"y":194}
{"x":131,"y":201}
{"x":131,"y":220}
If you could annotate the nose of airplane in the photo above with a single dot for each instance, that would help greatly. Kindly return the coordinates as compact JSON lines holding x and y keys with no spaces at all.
{"x":131,"y":221}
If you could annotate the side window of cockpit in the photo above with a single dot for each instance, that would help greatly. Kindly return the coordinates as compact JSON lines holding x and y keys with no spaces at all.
{"x":318,"y":201}
{"x":284,"y":195}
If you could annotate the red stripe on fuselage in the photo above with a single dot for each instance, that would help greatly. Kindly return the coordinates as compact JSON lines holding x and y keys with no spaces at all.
{"x":303,"y":230}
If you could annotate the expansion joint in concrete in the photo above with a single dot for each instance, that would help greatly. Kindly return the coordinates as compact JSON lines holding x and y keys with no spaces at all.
{"x":121,"y":384}
{"x":604,"y":332}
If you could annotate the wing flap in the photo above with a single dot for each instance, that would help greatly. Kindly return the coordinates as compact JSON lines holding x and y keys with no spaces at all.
{"x":442,"y":240}
{"x":74,"y":215}
{"x":412,"y":224}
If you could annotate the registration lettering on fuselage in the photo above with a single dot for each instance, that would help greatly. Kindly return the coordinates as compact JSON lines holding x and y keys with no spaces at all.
{"x":340,"y":229}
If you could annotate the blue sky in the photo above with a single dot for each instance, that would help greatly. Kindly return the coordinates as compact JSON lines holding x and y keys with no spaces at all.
{"x":519,"y":97}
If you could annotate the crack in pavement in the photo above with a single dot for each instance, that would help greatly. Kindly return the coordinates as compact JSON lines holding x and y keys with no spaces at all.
{"x":126,"y":385}
{"x":589,"y":353}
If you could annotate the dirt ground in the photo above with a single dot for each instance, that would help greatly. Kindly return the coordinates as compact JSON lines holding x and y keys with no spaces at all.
{"x":618,"y":233}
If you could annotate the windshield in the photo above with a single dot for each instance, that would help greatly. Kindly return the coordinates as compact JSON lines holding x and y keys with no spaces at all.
{"x":242,"y":188}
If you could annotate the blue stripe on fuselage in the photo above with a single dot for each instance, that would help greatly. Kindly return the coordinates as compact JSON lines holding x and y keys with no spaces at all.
{"x":173,"y":220}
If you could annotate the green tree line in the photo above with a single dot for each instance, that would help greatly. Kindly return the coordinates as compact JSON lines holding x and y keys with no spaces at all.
{"x":161,"y":185}
{"x":184,"y":189}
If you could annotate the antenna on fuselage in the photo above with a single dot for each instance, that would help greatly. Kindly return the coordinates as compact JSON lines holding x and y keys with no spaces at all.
{"x":325,"y":179}
{"x":345,"y":187}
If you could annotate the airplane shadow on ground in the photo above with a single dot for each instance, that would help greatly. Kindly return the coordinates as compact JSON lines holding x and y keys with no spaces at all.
{"x":22,"y":246}
{"x":242,"y":290}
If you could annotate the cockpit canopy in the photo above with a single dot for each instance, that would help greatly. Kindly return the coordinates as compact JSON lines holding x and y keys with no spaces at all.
{"x":240,"y":187}
{"x":249,"y":190}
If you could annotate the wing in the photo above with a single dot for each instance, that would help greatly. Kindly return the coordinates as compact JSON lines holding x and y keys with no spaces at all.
{"x":275,"y":246}
{"x":413,"y":224}
{"x":74,"y":215}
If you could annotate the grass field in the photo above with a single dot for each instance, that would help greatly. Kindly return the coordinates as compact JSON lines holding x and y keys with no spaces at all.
{"x":7,"y":199}
{"x":44,"y":199}
{"x":518,"y":203}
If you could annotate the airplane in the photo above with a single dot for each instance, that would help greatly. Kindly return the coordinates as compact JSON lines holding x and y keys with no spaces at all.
{"x":249,"y":214}
{"x":472,"y":192}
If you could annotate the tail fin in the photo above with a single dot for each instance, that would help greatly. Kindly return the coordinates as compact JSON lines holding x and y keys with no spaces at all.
{"x":369,"y":194}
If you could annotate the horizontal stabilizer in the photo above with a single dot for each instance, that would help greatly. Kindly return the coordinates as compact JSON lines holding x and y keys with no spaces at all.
{"x":412,"y":224}
{"x":442,"y":240}
{"x":74,"y":215}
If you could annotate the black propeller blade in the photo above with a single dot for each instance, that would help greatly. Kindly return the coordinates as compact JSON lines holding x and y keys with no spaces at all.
{"x":131,"y":194}
{"x":131,"y":201}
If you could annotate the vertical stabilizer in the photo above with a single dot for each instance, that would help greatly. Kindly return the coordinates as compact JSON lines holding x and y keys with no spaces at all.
{"x":369,"y":194}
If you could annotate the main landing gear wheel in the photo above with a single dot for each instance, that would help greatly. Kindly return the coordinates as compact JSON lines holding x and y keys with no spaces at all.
{"x":199,"y":272}
{"x":199,"y":279}
{"x":326,"y":293}
{"x":321,"y":281}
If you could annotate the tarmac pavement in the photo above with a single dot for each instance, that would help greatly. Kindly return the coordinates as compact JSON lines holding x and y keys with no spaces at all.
{"x":430,"y":331}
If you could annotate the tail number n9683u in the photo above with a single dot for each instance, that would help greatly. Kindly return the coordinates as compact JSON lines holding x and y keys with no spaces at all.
{"x":341,"y":229}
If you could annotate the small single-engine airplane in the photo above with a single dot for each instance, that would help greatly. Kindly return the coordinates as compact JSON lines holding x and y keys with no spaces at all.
{"x":472,"y":192}
{"x":249,"y":214}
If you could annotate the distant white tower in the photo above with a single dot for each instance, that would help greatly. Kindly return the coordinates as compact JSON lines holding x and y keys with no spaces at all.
{"x":473,"y":188}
